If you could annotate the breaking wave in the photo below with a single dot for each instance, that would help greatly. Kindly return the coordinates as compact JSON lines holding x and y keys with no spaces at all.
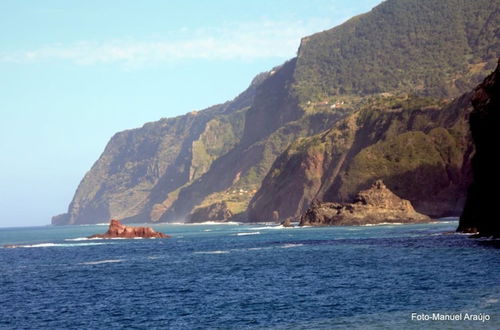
{"x":273,"y":227}
{"x":42,"y":245}
{"x":248,"y":233}
{"x":98,"y":262}
{"x":291,"y":245}
{"x":383,"y":224}
{"x":212,"y":252}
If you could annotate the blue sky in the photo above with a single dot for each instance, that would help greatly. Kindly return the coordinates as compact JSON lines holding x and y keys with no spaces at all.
{"x":73,"y":73}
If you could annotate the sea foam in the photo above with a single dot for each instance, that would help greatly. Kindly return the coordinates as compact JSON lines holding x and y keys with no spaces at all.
{"x":98,"y":262}
{"x":383,"y":224}
{"x":248,"y":233}
{"x":212,"y":252}
{"x":42,"y":245}
{"x":273,"y":227}
{"x":291,"y":245}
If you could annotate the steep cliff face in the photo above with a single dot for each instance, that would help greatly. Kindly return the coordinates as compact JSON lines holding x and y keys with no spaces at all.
{"x":480,"y":213}
{"x":421,"y":152}
{"x":166,"y":170}
{"x":236,"y":176}
{"x":139,"y":167}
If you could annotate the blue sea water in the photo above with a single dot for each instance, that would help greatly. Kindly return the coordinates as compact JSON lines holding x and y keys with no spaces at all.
{"x":248,"y":277}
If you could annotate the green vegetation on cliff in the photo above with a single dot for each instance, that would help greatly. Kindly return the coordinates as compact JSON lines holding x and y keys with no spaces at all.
{"x":430,"y":47}
{"x":370,"y":98}
{"x":422,"y":154}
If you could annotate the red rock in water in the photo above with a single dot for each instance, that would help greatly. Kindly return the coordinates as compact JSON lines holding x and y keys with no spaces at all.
{"x":117,"y":229}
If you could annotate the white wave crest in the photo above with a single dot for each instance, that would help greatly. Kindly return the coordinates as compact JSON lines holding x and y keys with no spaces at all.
{"x":383,"y":224}
{"x":98,"y":262}
{"x":42,"y":245}
{"x":212,"y":252}
{"x":77,"y":239}
{"x":273,"y":227}
{"x":291,"y":245}
{"x":248,"y":233}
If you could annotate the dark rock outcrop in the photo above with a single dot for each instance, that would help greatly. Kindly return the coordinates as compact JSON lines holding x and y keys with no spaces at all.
{"x":214,"y":212}
{"x":287,"y":222}
{"x":117,"y":229}
{"x":480,"y":214}
{"x":372,"y":206}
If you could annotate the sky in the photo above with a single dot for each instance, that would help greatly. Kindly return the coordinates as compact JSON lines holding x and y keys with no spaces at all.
{"x":73,"y":73}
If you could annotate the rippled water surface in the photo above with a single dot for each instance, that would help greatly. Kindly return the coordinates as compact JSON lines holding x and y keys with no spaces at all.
{"x":248,"y":276}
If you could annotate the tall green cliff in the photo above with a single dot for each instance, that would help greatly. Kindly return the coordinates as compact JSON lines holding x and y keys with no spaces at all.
{"x":419,"y":148}
{"x":383,"y":81}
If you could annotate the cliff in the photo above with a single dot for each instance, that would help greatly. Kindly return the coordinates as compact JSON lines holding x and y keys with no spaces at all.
{"x":419,"y":47}
{"x":480,"y":214}
{"x":420,"y":150}
{"x":372,"y":206}
{"x":140,"y":167}
{"x":376,"y":77}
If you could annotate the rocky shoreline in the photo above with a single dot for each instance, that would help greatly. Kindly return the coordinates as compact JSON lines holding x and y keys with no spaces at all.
{"x":372,"y":206}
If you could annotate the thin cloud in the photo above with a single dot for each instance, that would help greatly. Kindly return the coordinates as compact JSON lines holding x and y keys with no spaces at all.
{"x":246,"y":41}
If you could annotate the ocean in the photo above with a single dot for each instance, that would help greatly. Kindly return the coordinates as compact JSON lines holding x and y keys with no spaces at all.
{"x":250,"y":277}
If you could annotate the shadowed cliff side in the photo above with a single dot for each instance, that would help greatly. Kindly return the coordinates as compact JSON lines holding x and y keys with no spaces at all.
{"x":421,"y":152}
{"x":480,"y":213}
{"x":273,"y":122}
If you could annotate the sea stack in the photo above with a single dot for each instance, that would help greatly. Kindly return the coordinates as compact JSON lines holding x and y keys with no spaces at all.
{"x":372,"y":206}
{"x":117,"y":229}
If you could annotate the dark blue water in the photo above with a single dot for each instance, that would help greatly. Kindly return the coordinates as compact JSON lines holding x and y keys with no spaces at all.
{"x":230,"y":276}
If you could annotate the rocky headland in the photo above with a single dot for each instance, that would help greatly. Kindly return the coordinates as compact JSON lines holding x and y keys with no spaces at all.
{"x":372,"y":206}
{"x":118,"y":230}
{"x":215,"y":212}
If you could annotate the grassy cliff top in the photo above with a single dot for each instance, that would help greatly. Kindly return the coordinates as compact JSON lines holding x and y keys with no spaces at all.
{"x":439,"y":48}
